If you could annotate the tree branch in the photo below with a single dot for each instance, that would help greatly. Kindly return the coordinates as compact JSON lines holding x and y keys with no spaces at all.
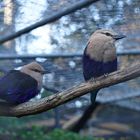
{"x":52,"y":101}
{"x":50,"y":19}
{"x":54,"y":56}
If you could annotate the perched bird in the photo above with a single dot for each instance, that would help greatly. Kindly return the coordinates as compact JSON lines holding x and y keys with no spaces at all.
{"x":19,"y":86}
{"x":99,"y":56}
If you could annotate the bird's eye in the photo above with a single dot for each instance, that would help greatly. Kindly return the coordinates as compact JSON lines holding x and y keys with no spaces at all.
{"x":36,"y":70}
{"x":108,"y":34}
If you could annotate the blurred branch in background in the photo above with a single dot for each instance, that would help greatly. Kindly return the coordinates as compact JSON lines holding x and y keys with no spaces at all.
{"x":78,"y":122}
{"x":4,"y":57}
{"x":50,"y":19}
{"x":55,"y":100}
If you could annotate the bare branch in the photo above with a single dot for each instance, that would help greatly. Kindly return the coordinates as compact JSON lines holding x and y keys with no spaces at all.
{"x":66,"y":11}
{"x":52,"y":101}
{"x":54,"y":56}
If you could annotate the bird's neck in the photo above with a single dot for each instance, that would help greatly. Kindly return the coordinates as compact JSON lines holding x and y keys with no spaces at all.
{"x":37,"y":76}
{"x":101,"y":53}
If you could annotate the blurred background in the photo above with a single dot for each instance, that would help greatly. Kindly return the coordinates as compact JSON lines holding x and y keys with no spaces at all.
{"x":58,"y":46}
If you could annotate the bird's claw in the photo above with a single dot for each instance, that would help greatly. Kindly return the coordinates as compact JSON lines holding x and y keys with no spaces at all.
{"x":93,"y":79}
{"x":106,"y":75}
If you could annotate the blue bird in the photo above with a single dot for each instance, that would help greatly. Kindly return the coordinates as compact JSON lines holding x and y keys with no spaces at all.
{"x":19,"y":86}
{"x":99,"y":56}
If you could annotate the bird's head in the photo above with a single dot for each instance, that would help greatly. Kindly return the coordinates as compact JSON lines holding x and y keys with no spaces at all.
{"x":102,"y":42}
{"x":36,"y":71}
{"x":108,"y":34}
{"x":35,"y":67}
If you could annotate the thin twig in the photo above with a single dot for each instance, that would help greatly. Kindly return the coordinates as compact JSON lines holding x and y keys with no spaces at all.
{"x":55,"y":100}
{"x":50,"y":19}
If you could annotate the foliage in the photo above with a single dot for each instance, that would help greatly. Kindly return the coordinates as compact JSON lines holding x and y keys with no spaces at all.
{"x":63,"y":135}
{"x":39,"y":133}
{"x":36,"y":133}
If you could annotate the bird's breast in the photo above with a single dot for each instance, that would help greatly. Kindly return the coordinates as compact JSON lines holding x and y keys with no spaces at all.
{"x":95,"y":68}
{"x":95,"y":53}
{"x":109,"y":54}
{"x":102,"y":51}
{"x":38,"y":77}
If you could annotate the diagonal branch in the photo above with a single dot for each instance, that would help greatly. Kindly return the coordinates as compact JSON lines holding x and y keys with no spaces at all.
{"x":52,"y":101}
{"x":65,"y":11}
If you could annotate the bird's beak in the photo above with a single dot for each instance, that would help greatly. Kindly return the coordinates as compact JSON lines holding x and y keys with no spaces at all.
{"x":45,"y":72}
{"x":117,"y":37}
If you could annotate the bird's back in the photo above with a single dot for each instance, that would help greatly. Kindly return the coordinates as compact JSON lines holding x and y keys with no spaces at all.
{"x":17,"y":87}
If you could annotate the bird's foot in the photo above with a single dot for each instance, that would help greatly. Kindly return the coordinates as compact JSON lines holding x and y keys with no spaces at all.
{"x":93,"y":79}
{"x":106,"y":75}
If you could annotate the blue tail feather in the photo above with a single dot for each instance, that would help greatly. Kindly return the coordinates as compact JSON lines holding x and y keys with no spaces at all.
{"x":93,"y":95}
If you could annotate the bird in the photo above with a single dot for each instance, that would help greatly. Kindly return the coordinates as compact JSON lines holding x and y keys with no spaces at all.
{"x":19,"y":86}
{"x":99,"y":57}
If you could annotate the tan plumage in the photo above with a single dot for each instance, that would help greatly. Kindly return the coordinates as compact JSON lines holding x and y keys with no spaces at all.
{"x":101,"y":45}
{"x":99,"y":56}
{"x":19,"y":86}
{"x":34,"y":70}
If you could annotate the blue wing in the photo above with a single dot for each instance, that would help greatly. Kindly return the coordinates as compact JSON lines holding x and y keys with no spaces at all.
{"x":92,"y":68}
{"x":110,"y":66}
{"x":17,"y":87}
